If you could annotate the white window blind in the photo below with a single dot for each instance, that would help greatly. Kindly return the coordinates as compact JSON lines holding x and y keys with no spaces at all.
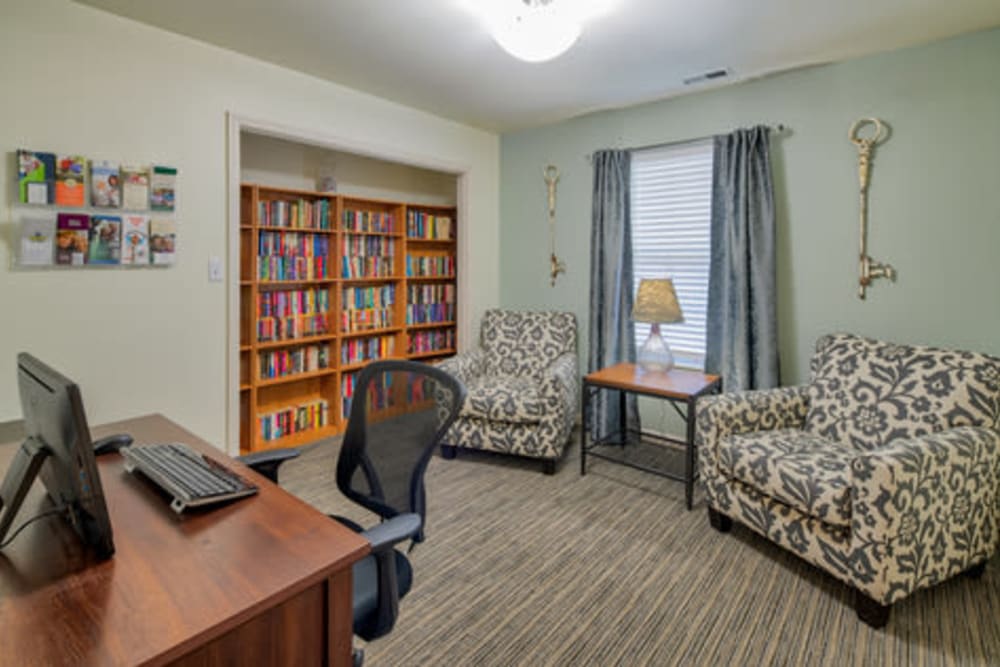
{"x":671,"y":193}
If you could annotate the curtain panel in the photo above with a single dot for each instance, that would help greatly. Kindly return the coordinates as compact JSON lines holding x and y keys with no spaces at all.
{"x":742,"y":328}
{"x":611,"y":330}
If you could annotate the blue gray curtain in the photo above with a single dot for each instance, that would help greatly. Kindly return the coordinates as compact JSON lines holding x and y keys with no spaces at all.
{"x":742,"y":327}
{"x":612,"y":332}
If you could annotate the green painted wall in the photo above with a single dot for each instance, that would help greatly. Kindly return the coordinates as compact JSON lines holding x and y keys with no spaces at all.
{"x":934,"y":205}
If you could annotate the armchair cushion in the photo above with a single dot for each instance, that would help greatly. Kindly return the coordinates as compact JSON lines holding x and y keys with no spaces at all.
{"x":867,"y":393}
{"x":500,"y":398}
{"x":804,"y":471}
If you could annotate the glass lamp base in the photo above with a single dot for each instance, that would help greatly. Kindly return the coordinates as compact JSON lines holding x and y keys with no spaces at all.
{"x":655,"y":355}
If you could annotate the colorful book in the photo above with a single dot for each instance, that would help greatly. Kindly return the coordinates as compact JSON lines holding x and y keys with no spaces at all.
{"x":135,"y":187}
{"x":162,"y":239}
{"x":37,"y":237}
{"x":105,"y":185}
{"x":163,"y":184}
{"x":36,"y":177}
{"x":72,"y":233}
{"x":105,"y":239}
{"x":135,"y":239}
{"x":70,"y":176}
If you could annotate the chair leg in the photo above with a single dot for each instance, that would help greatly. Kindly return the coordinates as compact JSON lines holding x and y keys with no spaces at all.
{"x":871,"y":612}
{"x":549,"y":466}
{"x":976,"y":571}
{"x":358,"y":657}
{"x":448,"y":451}
{"x":719,"y":521}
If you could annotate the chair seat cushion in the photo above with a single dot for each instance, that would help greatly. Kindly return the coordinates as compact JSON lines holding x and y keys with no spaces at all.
{"x":503,"y":398}
{"x":802,"y":470}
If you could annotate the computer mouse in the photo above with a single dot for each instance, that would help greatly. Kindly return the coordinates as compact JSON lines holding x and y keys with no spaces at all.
{"x":112,"y":443}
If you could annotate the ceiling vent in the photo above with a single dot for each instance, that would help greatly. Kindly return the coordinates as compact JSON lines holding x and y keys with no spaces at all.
{"x":706,"y":76}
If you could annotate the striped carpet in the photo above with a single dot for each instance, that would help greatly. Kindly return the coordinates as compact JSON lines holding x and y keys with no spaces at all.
{"x":609,"y":569}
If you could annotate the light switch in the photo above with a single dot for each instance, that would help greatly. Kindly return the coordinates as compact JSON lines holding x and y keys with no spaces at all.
{"x":214,"y":269}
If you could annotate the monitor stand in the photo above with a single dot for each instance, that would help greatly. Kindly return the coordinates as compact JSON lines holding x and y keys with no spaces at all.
{"x":20,"y":476}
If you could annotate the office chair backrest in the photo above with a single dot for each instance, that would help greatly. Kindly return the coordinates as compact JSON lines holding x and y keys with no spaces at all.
{"x":399,"y":412}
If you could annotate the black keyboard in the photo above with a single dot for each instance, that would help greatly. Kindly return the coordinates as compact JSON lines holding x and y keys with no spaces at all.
{"x":192,"y":479}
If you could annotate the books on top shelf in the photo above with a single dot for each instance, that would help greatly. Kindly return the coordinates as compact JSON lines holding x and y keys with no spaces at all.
{"x":370,"y":222}
{"x":37,"y":241}
{"x":72,"y":235}
{"x":105,"y":184}
{"x":105,"y":239}
{"x":301,"y":214}
{"x":420,"y":225}
{"x":70,"y":180}
{"x":162,"y":241}
{"x":135,"y":187}
{"x":36,"y":177}
{"x":135,"y":239}
{"x":163,"y":188}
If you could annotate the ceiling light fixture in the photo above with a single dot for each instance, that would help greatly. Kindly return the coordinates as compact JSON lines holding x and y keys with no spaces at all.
{"x":537,"y":30}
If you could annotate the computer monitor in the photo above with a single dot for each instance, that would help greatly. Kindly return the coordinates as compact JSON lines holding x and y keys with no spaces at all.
{"x":59,"y":450}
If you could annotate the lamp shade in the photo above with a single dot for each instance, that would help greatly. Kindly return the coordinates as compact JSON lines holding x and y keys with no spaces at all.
{"x":657,"y":302}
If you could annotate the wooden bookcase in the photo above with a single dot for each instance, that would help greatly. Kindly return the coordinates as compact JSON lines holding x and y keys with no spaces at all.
{"x":327,"y":284}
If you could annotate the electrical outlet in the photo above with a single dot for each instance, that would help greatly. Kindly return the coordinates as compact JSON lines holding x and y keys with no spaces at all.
{"x":215,"y":269}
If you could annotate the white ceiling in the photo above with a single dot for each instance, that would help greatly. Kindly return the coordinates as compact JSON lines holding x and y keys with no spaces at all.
{"x":435,"y":55}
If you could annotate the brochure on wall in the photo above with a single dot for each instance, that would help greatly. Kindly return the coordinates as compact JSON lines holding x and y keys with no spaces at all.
{"x":105,"y":185}
{"x":37,"y":241}
{"x":70,"y":180}
{"x":105,"y":239}
{"x":72,"y":231}
{"x":162,"y":239}
{"x":36,"y":177}
{"x":135,"y":187}
{"x":135,"y":239}
{"x":162,"y":185}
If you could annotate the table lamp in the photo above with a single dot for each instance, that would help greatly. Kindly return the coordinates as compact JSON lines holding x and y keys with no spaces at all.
{"x":656,"y":303}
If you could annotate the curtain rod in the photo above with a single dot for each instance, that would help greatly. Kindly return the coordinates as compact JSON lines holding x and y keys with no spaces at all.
{"x":778,"y":129}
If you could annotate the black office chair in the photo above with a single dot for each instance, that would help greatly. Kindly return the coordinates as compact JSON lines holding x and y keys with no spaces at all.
{"x":405,"y":407}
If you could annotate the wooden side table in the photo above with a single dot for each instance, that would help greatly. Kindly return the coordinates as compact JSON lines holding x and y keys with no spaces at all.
{"x":679,"y":387}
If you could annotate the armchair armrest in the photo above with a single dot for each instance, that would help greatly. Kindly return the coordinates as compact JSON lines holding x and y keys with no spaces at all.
{"x":267,"y":463}
{"x":388,"y":533}
{"x":560,"y":378}
{"x":732,"y":413}
{"x":925,"y":508}
{"x":466,"y":366}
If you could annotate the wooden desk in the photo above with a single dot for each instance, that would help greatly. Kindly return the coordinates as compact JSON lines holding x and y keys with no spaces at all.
{"x":265,"y":580}
{"x":676,"y":386}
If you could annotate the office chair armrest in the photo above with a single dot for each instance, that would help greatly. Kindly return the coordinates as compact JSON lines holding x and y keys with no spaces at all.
{"x":393,"y":531}
{"x":267,"y":463}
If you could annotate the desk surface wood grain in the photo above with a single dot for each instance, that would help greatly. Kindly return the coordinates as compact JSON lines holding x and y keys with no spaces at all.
{"x":675,"y":383}
{"x":175,"y":582}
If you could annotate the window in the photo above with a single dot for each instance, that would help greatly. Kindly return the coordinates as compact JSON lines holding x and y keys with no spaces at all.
{"x":671,"y":210}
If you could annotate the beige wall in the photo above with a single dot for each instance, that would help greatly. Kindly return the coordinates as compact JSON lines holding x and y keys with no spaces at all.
{"x":288,"y":164}
{"x":80,"y":80}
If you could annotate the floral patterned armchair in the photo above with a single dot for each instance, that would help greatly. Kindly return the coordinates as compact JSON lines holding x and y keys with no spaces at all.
{"x":884,"y":470}
{"x":522,"y":385}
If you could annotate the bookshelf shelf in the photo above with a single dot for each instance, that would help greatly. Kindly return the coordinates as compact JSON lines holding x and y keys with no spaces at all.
{"x":345,"y":239}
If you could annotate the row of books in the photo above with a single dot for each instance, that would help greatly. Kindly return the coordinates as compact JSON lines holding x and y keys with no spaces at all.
{"x":368,"y":221}
{"x":293,"y":419}
{"x":76,"y":239}
{"x":431,"y":341}
{"x":289,"y":303}
{"x":272,"y":329}
{"x":379,"y":392}
{"x":292,"y":268}
{"x":301,"y":214}
{"x":358,"y":350}
{"x":293,"y":243}
{"x":430,"y":303}
{"x":421,"y":225}
{"x":423,"y":266}
{"x":47,"y":178}
{"x":282,"y":363}
{"x":368,"y":307}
